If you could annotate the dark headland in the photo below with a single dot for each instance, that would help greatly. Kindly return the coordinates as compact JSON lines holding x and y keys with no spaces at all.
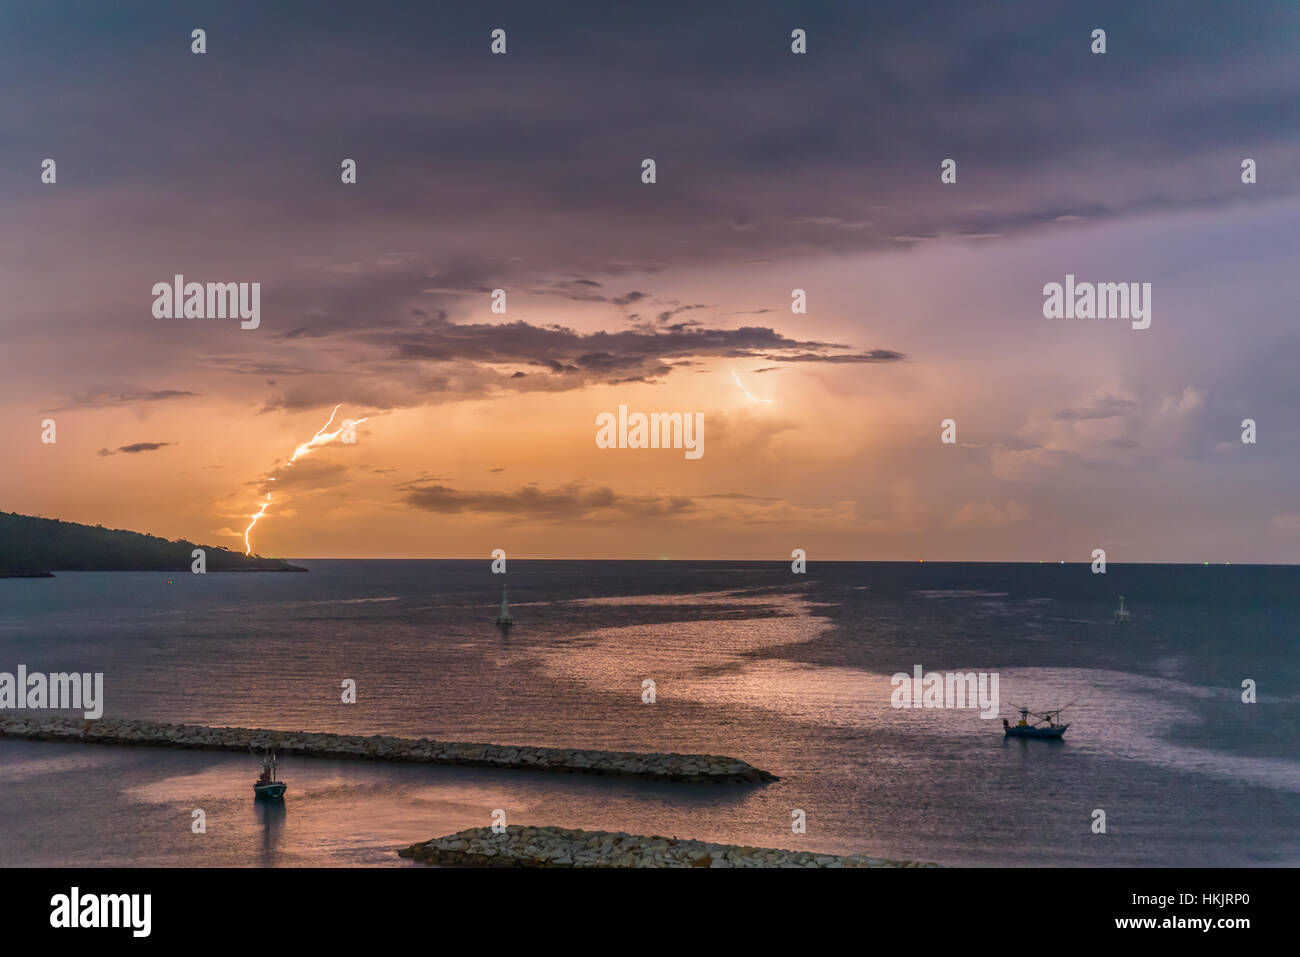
{"x":32,"y":547}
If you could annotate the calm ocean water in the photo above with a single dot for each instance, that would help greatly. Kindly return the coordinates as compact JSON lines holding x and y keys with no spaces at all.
{"x":790,"y":672}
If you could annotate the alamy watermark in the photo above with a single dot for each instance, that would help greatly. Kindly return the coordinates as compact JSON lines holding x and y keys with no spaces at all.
{"x":953,"y":689}
{"x":36,"y":691}
{"x":658,"y":430}
{"x":75,"y":909}
{"x":1103,"y":300}
{"x":179,"y":299}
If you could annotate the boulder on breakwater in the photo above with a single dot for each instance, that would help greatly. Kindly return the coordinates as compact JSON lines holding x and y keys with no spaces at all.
{"x":627,"y":764}
{"x":524,"y":846}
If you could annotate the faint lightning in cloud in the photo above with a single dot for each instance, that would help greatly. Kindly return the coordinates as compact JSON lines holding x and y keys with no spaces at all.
{"x":321,"y":437}
{"x":752,"y":398}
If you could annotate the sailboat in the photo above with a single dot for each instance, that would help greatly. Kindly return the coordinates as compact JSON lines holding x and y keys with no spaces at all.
{"x":1121,"y":613}
{"x":268,"y":786}
{"x":504,"y":618}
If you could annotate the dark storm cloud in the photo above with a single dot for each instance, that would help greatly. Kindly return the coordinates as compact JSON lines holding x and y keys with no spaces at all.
{"x":413,"y":356}
{"x":566,"y":503}
{"x":1104,"y":407}
{"x":478,"y":171}
{"x":135,"y":448}
{"x":875,"y":355}
{"x":579,"y":290}
{"x":305,"y":475}
{"x":664,"y":317}
{"x":614,"y":356}
{"x":535,"y":156}
{"x":110,"y":397}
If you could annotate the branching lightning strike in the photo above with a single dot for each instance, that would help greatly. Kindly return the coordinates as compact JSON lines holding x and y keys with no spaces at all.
{"x":320,"y":438}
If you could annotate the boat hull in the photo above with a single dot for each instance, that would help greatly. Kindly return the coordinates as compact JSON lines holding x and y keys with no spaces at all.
{"x":1015,"y":731}
{"x":270,"y":792}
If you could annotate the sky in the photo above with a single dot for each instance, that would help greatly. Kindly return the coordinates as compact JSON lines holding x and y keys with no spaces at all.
{"x":774,"y":171}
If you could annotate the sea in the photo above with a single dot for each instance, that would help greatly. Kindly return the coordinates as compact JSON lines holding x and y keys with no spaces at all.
{"x":1163,"y":764}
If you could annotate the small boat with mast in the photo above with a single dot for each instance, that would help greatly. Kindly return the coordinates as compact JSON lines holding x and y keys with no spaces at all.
{"x":1045,"y":725}
{"x":268,"y":786}
{"x":504,"y":619}
{"x":1121,"y":613}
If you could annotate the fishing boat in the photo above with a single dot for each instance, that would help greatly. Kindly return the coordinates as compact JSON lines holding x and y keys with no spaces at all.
{"x":268,"y":787}
{"x":1121,"y":613}
{"x":1045,"y":725}
{"x":504,"y":618}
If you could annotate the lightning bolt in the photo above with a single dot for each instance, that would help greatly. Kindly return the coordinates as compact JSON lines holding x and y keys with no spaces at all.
{"x":248,"y":549}
{"x":744,"y":390}
{"x":321,"y":437}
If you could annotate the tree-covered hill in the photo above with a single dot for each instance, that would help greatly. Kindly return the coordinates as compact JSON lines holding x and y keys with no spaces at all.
{"x":31,"y":546}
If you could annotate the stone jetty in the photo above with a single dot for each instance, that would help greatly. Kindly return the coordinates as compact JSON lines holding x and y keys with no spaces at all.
{"x":626,"y":764}
{"x":522,"y":846}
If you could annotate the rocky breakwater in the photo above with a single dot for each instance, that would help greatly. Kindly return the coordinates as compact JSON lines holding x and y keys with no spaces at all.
{"x":523,"y":846}
{"x":627,"y":764}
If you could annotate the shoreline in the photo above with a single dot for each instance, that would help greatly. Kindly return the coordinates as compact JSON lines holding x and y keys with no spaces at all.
{"x":660,"y":766}
{"x":547,"y":846}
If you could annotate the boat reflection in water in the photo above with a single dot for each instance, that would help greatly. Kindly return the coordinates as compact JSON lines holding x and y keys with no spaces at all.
{"x":270,"y":814}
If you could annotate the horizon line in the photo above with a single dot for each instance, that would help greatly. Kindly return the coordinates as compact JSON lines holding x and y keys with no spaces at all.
{"x":780,"y":561}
